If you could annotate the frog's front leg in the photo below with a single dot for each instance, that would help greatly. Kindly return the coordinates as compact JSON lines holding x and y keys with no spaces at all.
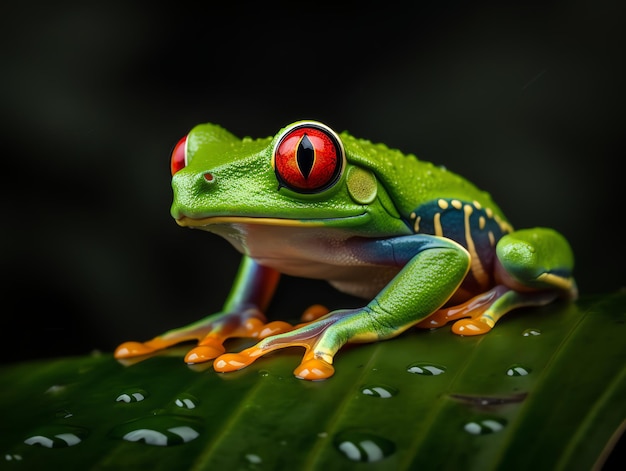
{"x":242,"y":316}
{"x":433,"y":269}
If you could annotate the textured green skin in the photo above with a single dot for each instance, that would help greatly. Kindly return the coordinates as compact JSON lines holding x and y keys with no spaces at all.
{"x":249,"y":184}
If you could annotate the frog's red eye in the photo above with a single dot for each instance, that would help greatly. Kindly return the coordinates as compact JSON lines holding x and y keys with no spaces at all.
{"x":308,"y":158}
{"x":178,"y":160}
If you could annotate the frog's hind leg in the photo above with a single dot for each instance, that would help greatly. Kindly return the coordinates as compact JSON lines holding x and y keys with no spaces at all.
{"x":533,"y":268}
{"x":474,"y":308}
{"x":504,"y":300}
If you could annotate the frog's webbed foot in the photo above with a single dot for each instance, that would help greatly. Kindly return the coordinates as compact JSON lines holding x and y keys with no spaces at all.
{"x":210,"y":332}
{"x":321,"y":339}
{"x":212,"y":345}
{"x":479,"y":314}
{"x":473,"y":308}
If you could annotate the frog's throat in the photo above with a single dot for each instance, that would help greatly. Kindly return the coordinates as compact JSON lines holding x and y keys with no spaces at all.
{"x":283,"y":222}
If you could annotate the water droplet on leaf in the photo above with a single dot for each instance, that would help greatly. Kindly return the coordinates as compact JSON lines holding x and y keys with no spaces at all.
{"x":254,"y":459}
{"x":159,"y":430}
{"x":63,"y":414}
{"x":381,"y":391}
{"x":531,"y":332}
{"x":187,"y":401}
{"x":426,"y":369}
{"x":363,"y":446}
{"x":57,"y":436}
{"x":518,"y":370}
{"x":133,"y":395}
{"x":56,"y":389}
{"x":485,"y":426}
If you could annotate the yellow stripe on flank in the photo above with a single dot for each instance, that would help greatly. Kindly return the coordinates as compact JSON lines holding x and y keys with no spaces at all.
{"x":416,"y":225}
{"x":477,"y":267}
{"x":504,"y":226}
{"x":437,"y":223}
{"x":481,"y":222}
{"x":492,"y":238}
{"x":443,"y":204}
{"x":457,"y":204}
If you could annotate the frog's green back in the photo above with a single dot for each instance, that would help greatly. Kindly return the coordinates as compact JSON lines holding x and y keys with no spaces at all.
{"x":410,"y":181}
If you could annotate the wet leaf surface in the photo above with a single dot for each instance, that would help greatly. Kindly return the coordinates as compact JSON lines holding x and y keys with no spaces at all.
{"x":544,"y":390}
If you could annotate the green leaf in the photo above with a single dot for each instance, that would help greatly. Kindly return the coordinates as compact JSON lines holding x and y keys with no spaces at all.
{"x":544,"y":390}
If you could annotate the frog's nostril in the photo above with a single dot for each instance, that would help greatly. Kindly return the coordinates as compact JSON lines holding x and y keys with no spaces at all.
{"x":209,"y":177}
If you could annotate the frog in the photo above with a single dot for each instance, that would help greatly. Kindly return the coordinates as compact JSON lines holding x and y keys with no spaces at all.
{"x":420,"y":244}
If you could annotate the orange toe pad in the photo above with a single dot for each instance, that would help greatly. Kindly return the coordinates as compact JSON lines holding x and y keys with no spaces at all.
{"x":132,"y":349}
{"x":203,"y":353}
{"x":470,"y":327}
{"x":232,"y":362}
{"x":314,"y":369}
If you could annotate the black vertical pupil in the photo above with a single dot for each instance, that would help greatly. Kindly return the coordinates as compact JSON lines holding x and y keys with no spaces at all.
{"x":305,"y":156}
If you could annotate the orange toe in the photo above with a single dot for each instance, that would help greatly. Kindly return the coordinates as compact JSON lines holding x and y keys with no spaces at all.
{"x":273,"y":328}
{"x":203,"y":353}
{"x":470,"y":327}
{"x":132,"y":349}
{"x":255,"y":328}
{"x":231,"y":362}
{"x":314,"y":312}
{"x":314,"y":370}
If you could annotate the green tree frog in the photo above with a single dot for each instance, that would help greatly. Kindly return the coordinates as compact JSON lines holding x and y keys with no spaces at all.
{"x":422,"y":245}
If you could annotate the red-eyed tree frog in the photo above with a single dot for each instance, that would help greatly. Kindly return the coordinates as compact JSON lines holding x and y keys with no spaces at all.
{"x":421,"y":244}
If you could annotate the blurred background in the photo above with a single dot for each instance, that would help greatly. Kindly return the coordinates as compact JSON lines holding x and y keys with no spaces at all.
{"x":523,"y":99}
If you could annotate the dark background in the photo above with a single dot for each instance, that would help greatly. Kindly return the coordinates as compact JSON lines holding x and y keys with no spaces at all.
{"x":524,"y":99}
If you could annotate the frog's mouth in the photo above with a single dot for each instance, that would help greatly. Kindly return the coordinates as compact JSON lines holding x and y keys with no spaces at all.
{"x":265,"y":221}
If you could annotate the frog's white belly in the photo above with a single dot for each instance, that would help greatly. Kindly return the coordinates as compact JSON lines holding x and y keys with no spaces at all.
{"x":310,"y":252}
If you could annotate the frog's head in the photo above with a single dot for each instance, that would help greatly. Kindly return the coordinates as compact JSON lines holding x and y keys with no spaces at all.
{"x":302,"y":176}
